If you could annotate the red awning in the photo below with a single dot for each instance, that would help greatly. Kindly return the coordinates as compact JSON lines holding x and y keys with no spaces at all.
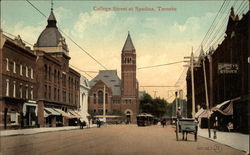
{"x":228,"y":110}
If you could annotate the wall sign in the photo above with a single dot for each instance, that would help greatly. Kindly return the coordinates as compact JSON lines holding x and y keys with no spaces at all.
{"x":228,"y":68}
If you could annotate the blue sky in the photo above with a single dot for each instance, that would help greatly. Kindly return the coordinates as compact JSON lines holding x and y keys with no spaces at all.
{"x":159,"y":36}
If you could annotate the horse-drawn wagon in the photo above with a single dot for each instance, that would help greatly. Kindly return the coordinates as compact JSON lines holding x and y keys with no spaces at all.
{"x":186,"y":126}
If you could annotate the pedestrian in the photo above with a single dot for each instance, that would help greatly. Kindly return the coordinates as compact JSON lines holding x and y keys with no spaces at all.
{"x":163,"y":122}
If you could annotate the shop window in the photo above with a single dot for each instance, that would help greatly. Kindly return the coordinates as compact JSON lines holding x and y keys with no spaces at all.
{"x":7,"y":64}
{"x":14,"y":118}
{"x":7,"y":87}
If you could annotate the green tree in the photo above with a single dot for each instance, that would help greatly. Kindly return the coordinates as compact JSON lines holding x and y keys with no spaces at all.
{"x":157,"y":107}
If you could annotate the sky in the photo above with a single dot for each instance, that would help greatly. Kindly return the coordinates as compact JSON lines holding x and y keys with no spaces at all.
{"x":101,"y":27}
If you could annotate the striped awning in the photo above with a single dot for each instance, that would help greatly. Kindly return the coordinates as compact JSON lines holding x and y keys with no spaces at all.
{"x":51,"y":111}
{"x":225,"y":108}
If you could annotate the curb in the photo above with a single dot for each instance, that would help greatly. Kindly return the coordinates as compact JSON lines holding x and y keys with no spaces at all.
{"x":23,"y":134}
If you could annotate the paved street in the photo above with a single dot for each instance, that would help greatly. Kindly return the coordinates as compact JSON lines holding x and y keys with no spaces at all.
{"x":115,"y":139}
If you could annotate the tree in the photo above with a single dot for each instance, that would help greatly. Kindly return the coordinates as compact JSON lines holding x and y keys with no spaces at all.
{"x":157,"y":107}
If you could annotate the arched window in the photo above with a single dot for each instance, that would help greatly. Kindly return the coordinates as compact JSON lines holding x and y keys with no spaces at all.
{"x":55,"y":75}
{"x":45,"y":71}
{"x":100,"y":97}
{"x":14,"y":88}
{"x":49,"y":73}
{"x":14,"y":67}
{"x":106,"y":98}
{"x":7,"y":87}
{"x":94,"y":98}
{"x":7,"y":64}
{"x":21,"y":69}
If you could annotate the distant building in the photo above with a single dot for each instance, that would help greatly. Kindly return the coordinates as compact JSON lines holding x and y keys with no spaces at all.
{"x":84,"y":92}
{"x":121,"y":95}
{"x":18,"y":93}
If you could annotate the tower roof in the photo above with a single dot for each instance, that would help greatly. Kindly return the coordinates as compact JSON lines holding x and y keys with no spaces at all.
{"x":128,"y":46}
{"x":50,"y":37}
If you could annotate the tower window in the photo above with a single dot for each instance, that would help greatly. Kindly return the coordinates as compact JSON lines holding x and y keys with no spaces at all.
{"x":100,"y":97}
{"x":94,"y":98}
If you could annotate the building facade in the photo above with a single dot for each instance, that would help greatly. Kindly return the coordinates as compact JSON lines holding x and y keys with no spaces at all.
{"x":18,"y":93}
{"x":120,"y":95}
{"x":227,"y":73}
{"x":57,"y":84}
{"x":84,"y":93}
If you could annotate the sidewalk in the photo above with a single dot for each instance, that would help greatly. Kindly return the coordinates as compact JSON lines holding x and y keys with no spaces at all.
{"x":235,"y":140}
{"x":38,"y":130}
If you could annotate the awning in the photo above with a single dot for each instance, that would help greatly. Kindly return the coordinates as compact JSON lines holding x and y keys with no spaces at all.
{"x":74,"y":114}
{"x":52,"y":111}
{"x":223,"y":108}
{"x":205,"y":114}
{"x":63,"y":113}
{"x":199,"y":113}
{"x":220,"y":105}
{"x":46,"y":114}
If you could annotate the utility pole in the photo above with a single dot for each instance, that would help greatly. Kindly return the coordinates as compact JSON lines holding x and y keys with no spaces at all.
{"x":192,"y":65}
{"x":176,"y":102}
{"x":155,"y":93}
{"x":104,"y":103}
{"x":207,"y":102}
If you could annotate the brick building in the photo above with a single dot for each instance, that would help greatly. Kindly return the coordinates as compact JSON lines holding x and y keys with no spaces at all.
{"x":227,"y":69}
{"x":18,"y":106}
{"x":121,"y":95}
{"x":57,"y":83}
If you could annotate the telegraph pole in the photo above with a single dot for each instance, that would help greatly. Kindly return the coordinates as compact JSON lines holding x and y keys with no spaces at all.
{"x":192,"y":64}
{"x":104,"y":103}
{"x":192,"y":78}
{"x":207,"y":102}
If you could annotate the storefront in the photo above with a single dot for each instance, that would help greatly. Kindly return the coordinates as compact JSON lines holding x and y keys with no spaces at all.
{"x":30,"y":114}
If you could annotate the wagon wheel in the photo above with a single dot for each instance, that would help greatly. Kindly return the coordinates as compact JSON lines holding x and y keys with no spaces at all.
{"x":177,"y":130}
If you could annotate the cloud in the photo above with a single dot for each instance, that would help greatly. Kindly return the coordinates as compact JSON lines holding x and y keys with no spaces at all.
{"x":86,"y":20}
